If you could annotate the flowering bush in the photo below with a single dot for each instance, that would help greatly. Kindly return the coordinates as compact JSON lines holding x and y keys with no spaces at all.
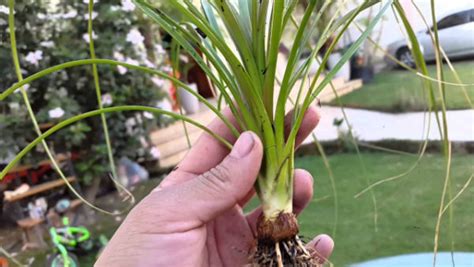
{"x":52,"y":32}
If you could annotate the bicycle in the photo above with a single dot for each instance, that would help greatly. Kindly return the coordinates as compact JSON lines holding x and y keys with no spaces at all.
{"x":68,"y":239}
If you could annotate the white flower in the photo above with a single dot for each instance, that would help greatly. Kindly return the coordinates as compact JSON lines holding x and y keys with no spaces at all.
{"x":127,"y":5}
{"x":159,"y":49}
{"x":41,"y":16}
{"x":25,"y":87}
{"x":5,"y":10}
{"x":56,"y":113}
{"x":94,"y":15}
{"x":135,"y":37}
{"x":34,"y":57}
{"x":107,"y":99}
{"x":87,"y":1}
{"x":121,"y":69}
{"x":52,"y":6}
{"x":14,"y":105}
{"x":69,"y":15}
{"x":166,"y":69}
{"x":47,"y":44}
{"x":138,"y":118}
{"x":114,"y":8}
{"x":85,"y":36}
{"x":148,"y":115}
{"x":148,"y":63}
{"x":132,"y":61}
{"x":118,"y":56}
{"x":157,"y":81}
{"x":129,"y":124}
{"x":155,"y":152}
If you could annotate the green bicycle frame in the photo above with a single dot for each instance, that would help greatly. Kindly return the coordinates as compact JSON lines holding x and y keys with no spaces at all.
{"x":61,"y":242}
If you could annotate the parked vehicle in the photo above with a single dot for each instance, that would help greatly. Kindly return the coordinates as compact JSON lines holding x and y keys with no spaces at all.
{"x":456,"y":37}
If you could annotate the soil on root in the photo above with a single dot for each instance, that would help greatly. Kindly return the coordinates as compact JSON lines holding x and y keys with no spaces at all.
{"x":290,"y":252}
{"x":278,"y":244}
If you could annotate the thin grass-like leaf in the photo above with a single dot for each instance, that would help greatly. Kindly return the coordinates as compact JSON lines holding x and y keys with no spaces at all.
{"x":89,"y":114}
{"x":98,"y":92}
{"x":82,"y":62}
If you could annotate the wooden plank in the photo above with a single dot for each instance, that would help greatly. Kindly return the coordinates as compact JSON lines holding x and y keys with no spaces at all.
{"x":173,"y":160}
{"x":41,"y":188}
{"x":177,"y":145}
{"x":176,"y":130}
{"x":59,"y":158}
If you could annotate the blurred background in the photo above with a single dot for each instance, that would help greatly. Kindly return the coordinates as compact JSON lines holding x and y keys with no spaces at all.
{"x":375,"y":128}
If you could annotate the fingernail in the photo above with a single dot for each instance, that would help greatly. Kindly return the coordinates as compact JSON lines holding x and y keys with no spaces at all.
{"x":323,"y":248}
{"x":243,"y":146}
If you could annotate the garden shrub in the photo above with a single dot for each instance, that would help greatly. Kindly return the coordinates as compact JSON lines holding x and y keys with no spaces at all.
{"x":53,"y":32}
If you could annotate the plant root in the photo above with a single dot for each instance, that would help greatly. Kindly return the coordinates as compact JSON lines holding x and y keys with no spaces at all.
{"x":289,"y":252}
{"x":278,"y":244}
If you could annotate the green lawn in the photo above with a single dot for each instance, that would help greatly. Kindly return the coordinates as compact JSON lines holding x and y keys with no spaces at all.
{"x":401,"y":91}
{"x":407,"y":208}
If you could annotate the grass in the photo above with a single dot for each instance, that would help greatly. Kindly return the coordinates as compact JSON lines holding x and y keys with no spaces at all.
{"x":407,"y":208}
{"x":402,"y":91}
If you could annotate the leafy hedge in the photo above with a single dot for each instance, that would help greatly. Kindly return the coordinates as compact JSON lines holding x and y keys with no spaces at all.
{"x":52,"y":32}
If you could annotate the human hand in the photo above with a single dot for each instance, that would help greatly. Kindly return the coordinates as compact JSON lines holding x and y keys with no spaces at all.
{"x":194,"y":217}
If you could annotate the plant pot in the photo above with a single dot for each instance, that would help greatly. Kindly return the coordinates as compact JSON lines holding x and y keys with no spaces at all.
{"x":344,"y":72}
{"x":313,"y":69}
{"x":189,"y":102}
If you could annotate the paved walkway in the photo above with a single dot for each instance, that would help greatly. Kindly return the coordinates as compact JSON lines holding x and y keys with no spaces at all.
{"x":375,"y":126}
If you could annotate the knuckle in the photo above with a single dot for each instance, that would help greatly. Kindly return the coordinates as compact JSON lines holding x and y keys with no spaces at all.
{"x":217,"y":179}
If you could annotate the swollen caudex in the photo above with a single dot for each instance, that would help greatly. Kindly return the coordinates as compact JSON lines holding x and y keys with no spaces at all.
{"x":283,"y":227}
{"x":278,"y":243}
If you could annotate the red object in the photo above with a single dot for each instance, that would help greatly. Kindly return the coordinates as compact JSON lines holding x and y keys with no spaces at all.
{"x":3,"y":262}
{"x":34,"y":173}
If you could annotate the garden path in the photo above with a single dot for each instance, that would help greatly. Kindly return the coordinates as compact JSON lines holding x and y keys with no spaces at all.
{"x":375,"y":126}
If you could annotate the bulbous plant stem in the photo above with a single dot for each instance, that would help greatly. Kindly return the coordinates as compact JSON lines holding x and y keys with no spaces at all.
{"x":278,"y":243}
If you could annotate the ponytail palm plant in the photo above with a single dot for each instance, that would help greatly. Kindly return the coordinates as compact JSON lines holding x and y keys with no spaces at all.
{"x":240,"y":42}
{"x":236,"y":43}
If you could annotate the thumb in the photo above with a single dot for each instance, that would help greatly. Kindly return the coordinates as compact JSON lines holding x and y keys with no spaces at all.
{"x":223,"y":186}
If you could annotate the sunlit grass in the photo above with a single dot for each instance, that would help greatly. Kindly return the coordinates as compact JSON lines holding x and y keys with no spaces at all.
{"x":401,"y":91}
{"x":407,"y":207}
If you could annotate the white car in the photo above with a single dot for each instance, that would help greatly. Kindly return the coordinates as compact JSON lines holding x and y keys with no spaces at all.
{"x":456,"y":37}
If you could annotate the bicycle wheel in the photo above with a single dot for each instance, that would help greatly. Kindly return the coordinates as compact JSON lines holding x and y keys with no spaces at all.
{"x":57,"y":260}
